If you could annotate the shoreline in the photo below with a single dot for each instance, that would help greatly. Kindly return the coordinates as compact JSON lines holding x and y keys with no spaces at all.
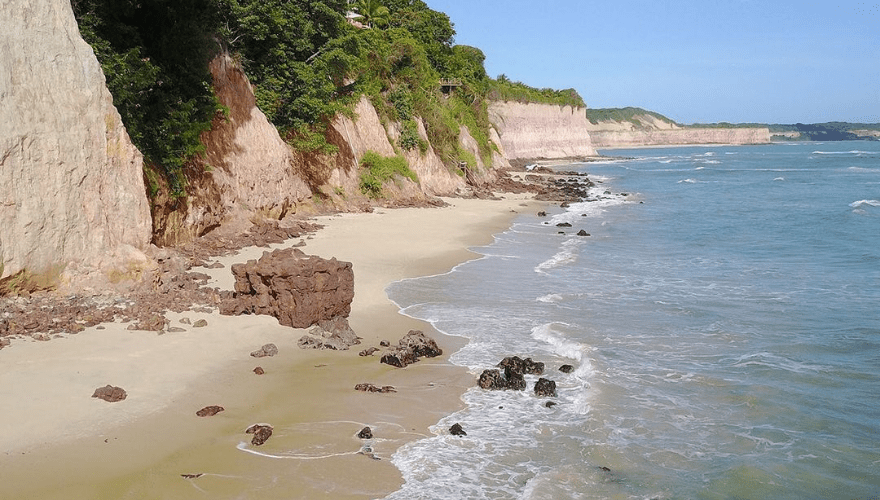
{"x":92,"y":449}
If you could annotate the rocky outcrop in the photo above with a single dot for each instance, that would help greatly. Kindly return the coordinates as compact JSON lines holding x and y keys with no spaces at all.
{"x":71,"y":183}
{"x":297,"y":289}
{"x":533,"y":131}
{"x":410,"y":348}
{"x":684,"y":136}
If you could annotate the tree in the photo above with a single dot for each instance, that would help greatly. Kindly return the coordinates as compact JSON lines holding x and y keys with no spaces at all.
{"x":373,"y":12}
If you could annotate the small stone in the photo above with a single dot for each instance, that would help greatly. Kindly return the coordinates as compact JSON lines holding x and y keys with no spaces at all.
{"x":369,"y":352}
{"x":456,"y":430}
{"x":582,"y":233}
{"x":200,"y":323}
{"x":566,"y":368}
{"x":192,"y":476}
{"x":209,"y":411}
{"x":384,"y":343}
{"x":259,"y":370}
{"x":185,"y":321}
{"x":261,"y":433}
{"x":550,"y":404}
{"x":365,"y":433}
{"x":266,"y":350}
{"x":176,"y":329}
{"x":110,"y":393}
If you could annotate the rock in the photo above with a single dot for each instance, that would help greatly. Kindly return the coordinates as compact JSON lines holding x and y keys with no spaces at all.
{"x":372,"y":388}
{"x":261,"y":433}
{"x":259,"y":370}
{"x":522,"y":366}
{"x":456,"y":430}
{"x":566,"y":368}
{"x":493,"y":380}
{"x":563,"y":224}
{"x":365,"y":433}
{"x":200,"y":323}
{"x":582,"y":233}
{"x":297,"y":289}
{"x":266,"y":350}
{"x":110,"y":393}
{"x":175,"y":329}
{"x":209,"y":411}
{"x":186,"y":321}
{"x":72,"y":194}
{"x":384,"y":343}
{"x":542,"y":214}
{"x":550,"y":404}
{"x":334,"y":333}
{"x":369,"y":352}
{"x":4,"y":342}
{"x":413,"y":345}
{"x":192,"y":476}
{"x":545,"y":388}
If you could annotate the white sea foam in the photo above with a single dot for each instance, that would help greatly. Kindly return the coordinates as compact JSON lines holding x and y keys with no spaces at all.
{"x":688,"y":181}
{"x":568,"y":254}
{"x":779,"y":179}
{"x":550,"y":298}
{"x":873,"y":203}
{"x":853,"y":152}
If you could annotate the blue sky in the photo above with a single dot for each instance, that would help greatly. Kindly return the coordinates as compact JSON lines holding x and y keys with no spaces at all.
{"x":695,"y":61}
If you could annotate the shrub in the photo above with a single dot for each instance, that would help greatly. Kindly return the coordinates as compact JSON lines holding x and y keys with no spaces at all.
{"x":377,"y":169}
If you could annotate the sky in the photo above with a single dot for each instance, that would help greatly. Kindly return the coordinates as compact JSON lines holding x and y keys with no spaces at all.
{"x":700,"y":61}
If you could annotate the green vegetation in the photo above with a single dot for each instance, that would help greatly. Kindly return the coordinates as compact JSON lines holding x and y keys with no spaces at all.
{"x":629,"y":114}
{"x":376,"y":169}
{"x":307,"y":65}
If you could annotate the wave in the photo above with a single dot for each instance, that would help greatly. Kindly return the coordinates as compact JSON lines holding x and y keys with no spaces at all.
{"x":853,"y":152}
{"x":857,"y":204}
{"x":688,"y":181}
{"x":779,"y":179}
{"x":567,"y":255}
{"x":565,"y":348}
{"x":550,"y":298}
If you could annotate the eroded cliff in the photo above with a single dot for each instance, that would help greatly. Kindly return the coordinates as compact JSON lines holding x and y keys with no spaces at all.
{"x":532,"y":131}
{"x":682,"y":136}
{"x":71,"y":183}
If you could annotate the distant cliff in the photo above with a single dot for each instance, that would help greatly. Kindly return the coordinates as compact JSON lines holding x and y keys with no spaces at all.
{"x":635,"y":127}
{"x":71,"y":183}
{"x":533,"y":131}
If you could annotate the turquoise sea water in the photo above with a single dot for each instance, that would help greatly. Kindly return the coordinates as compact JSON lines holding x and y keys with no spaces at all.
{"x":723,"y":318}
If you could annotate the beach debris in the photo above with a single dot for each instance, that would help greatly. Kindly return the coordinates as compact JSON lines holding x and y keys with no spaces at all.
{"x":545,"y":388}
{"x":200,"y":323}
{"x":369,"y":352}
{"x":367,"y":450}
{"x":259,"y":370}
{"x":365,"y":433}
{"x":192,"y":476}
{"x":266,"y":350}
{"x":334,"y":334}
{"x":566,"y":368}
{"x":410,"y":348}
{"x":261,"y":433}
{"x":210,"y":411}
{"x":365,"y":387}
{"x":457,"y":430}
{"x":298,"y":289}
{"x":110,"y":393}
{"x":582,"y":233}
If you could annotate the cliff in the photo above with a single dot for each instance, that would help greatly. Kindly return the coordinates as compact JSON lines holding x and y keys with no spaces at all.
{"x":532,"y":131}
{"x":634,"y":127}
{"x":684,"y":136}
{"x":71,"y":182}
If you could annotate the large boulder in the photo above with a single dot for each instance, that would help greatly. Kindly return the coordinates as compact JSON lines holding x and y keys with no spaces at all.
{"x":297,"y":289}
{"x":410,"y":348}
{"x":72,"y":192}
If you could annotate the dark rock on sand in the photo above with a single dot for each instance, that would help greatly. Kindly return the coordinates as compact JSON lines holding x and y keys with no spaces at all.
{"x":566,"y":368}
{"x":266,"y":350}
{"x":261,"y":433}
{"x":369,"y":352}
{"x":582,"y":233}
{"x":456,"y":430}
{"x":297,"y":289}
{"x":259,"y":370}
{"x":542,"y":214}
{"x":110,"y":393}
{"x":365,"y":387}
{"x":192,"y":476}
{"x":365,"y":433}
{"x":563,"y":224}
{"x":209,"y":411}
{"x":411,"y":347}
{"x":334,"y":334}
{"x":545,"y":388}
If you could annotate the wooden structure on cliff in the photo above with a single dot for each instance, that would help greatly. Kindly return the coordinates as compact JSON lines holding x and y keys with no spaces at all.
{"x":447,"y":84}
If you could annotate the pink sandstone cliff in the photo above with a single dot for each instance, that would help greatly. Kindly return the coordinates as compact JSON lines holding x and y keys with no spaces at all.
{"x":71,"y":182}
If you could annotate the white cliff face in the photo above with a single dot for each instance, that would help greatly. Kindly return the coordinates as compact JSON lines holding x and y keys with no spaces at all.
{"x":71,"y":182}
{"x":684,"y":136}
{"x":531,"y":131}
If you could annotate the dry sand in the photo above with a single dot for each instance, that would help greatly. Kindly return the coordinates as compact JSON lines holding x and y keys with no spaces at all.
{"x":58,"y":442}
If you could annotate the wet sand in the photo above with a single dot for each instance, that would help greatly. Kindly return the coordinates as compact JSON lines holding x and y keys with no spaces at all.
{"x":58,"y":442}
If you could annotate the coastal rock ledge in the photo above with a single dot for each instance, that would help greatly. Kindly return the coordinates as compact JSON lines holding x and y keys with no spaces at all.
{"x":297,"y":289}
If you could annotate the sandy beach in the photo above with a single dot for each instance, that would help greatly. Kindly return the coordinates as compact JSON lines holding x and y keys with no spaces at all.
{"x":58,"y":442}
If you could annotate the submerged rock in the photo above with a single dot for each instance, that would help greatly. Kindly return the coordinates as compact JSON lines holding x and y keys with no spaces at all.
{"x":365,"y":433}
{"x":545,"y":387}
{"x":261,"y":433}
{"x":210,"y":411}
{"x":457,"y":430}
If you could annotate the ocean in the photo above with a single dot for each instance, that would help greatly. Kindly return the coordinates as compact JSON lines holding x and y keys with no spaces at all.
{"x":723,"y":319}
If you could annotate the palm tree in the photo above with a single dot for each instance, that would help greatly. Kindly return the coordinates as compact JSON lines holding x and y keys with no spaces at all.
{"x":373,"y":12}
